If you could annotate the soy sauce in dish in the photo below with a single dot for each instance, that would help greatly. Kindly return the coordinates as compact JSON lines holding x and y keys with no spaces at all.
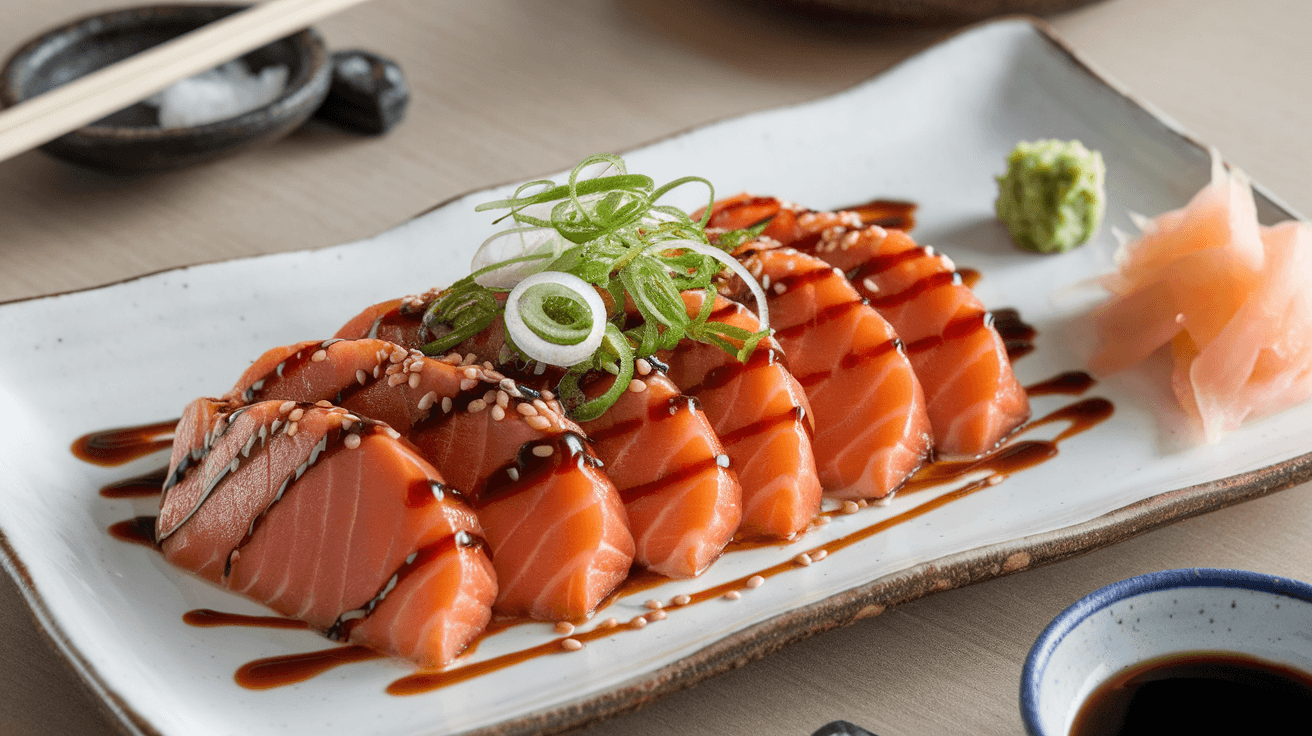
{"x":1198,"y":693}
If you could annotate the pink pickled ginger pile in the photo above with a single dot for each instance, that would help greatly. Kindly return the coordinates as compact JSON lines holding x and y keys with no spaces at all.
{"x":1231,"y":298}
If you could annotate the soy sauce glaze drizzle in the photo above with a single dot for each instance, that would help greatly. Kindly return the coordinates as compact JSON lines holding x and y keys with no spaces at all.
{"x":112,"y":447}
{"x":138,"y":486}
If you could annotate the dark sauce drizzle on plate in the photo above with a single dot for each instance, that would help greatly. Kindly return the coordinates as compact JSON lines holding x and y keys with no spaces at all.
{"x":1013,"y":455}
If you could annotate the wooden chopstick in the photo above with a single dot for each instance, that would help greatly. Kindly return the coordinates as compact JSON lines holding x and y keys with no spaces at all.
{"x":87,"y":99}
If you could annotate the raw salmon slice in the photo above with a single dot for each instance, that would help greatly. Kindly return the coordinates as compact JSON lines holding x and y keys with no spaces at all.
{"x":972,"y":395}
{"x":871,"y":429}
{"x":762,"y":417}
{"x":335,"y":521}
{"x":682,"y":498}
{"x":477,"y":425}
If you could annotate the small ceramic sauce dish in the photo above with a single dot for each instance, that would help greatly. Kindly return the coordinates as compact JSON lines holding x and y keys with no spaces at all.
{"x":1184,"y":624}
{"x":132,"y":140}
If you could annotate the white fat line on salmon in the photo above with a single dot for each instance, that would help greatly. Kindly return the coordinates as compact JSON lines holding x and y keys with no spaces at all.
{"x":315,"y":452}
{"x":339,"y":631}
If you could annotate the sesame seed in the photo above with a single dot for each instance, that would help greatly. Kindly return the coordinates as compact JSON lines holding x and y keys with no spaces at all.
{"x":819,"y":554}
{"x":394,"y":369}
{"x":803,"y":559}
{"x":397,"y":355}
{"x":755,"y":581}
{"x":451,"y":359}
{"x":572,"y":645}
{"x":361,"y":377}
{"x":487,"y":365}
{"x":821,"y":520}
{"x":682,"y":600}
{"x":396,"y":379}
{"x":733,"y":595}
{"x":765,"y":281}
{"x":319,"y":356}
{"x":543,"y":450}
{"x":637,"y":386}
{"x":527,"y":410}
{"x":722,"y":460}
{"x":324,"y":403}
{"x":286,"y":406}
{"x":644,"y":368}
{"x":638,"y":622}
{"x":513,"y":473}
{"x":414,"y":380}
{"x":378,"y":370}
{"x":477,"y":405}
{"x":467,"y":383}
{"x":609,"y":623}
{"x":471,"y":373}
{"x":347,"y":423}
{"x":538,"y":423}
{"x":850,"y":507}
{"x":470,"y":359}
{"x":427,"y":401}
{"x":541,"y":405}
{"x":654,"y":605}
{"x":780,"y":287}
{"x":352,"y":441}
{"x":870,"y":284}
{"x":498,"y":413}
{"x":564,"y":627}
{"x":656,"y":616}
{"x":292,"y":429}
{"x":503,"y":399}
{"x":415,"y":366}
{"x":490,"y":396}
{"x":995,"y":479}
{"x":296,"y":415}
{"x":547,"y":395}
{"x":446,"y":404}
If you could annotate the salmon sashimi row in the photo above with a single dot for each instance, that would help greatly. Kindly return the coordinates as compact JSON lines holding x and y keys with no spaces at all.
{"x":762,"y":417}
{"x":553,"y":520}
{"x":331,"y":519}
{"x":872,"y":430}
{"x":682,"y":506}
{"x":972,"y":396}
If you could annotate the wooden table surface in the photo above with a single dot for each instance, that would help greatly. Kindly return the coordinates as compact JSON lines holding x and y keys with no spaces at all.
{"x":507,"y":90}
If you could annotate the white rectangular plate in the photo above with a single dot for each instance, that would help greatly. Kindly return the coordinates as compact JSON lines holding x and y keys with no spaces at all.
{"x":934,"y":130}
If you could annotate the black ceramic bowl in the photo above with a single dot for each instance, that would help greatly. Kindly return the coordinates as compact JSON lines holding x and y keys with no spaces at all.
{"x":131,"y":139}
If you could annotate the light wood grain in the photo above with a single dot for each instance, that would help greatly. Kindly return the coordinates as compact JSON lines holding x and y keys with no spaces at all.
{"x":506,"y":89}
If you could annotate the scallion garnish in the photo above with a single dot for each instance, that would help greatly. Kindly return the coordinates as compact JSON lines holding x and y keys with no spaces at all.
{"x":572,"y":244}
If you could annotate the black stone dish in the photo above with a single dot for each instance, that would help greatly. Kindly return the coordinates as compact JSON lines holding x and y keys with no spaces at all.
{"x":130,"y":140}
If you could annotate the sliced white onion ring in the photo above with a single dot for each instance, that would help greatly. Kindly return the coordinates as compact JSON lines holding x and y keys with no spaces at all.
{"x":515,"y":243}
{"x":762,"y":309}
{"x":545,"y":351}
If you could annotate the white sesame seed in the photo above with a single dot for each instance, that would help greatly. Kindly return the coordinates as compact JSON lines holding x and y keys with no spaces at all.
{"x":467,"y":383}
{"x":850,"y":507}
{"x":644,"y":368}
{"x":470,"y":359}
{"x":296,"y":415}
{"x":513,"y":473}
{"x":543,"y":450}
{"x":572,"y":645}
{"x":361,"y":377}
{"x":292,"y":429}
{"x":638,"y":622}
{"x":637,"y":385}
{"x":803,"y":559}
{"x":498,"y":413}
{"x":538,"y":423}
{"x":870,"y":285}
{"x":656,"y":616}
{"x":722,"y":460}
{"x":654,"y":605}
{"x":821,"y":520}
{"x":733,"y":595}
{"x":415,"y":366}
{"x":995,"y":479}
{"x":487,"y":365}
{"x":477,"y":405}
{"x":324,"y":403}
{"x":471,"y":373}
{"x":547,"y":395}
{"x":490,"y":396}
{"x":414,"y":380}
{"x":397,"y":355}
{"x":394,"y":369}
{"x":396,"y":379}
{"x":564,"y":627}
{"x":755,"y":581}
{"x":609,"y":623}
{"x":446,"y":404}
{"x":819,"y":554}
{"x":319,"y":356}
{"x":352,"y":441}
{"x":527,"y":410}
{"x":451,"y":359}
{"x":503,"y":399}
{"x":286,"y":406}
{"x":780,"y":287}
{"x":427,"y":401}
{"x":682,"y":600}
{"x":347,"y":423}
